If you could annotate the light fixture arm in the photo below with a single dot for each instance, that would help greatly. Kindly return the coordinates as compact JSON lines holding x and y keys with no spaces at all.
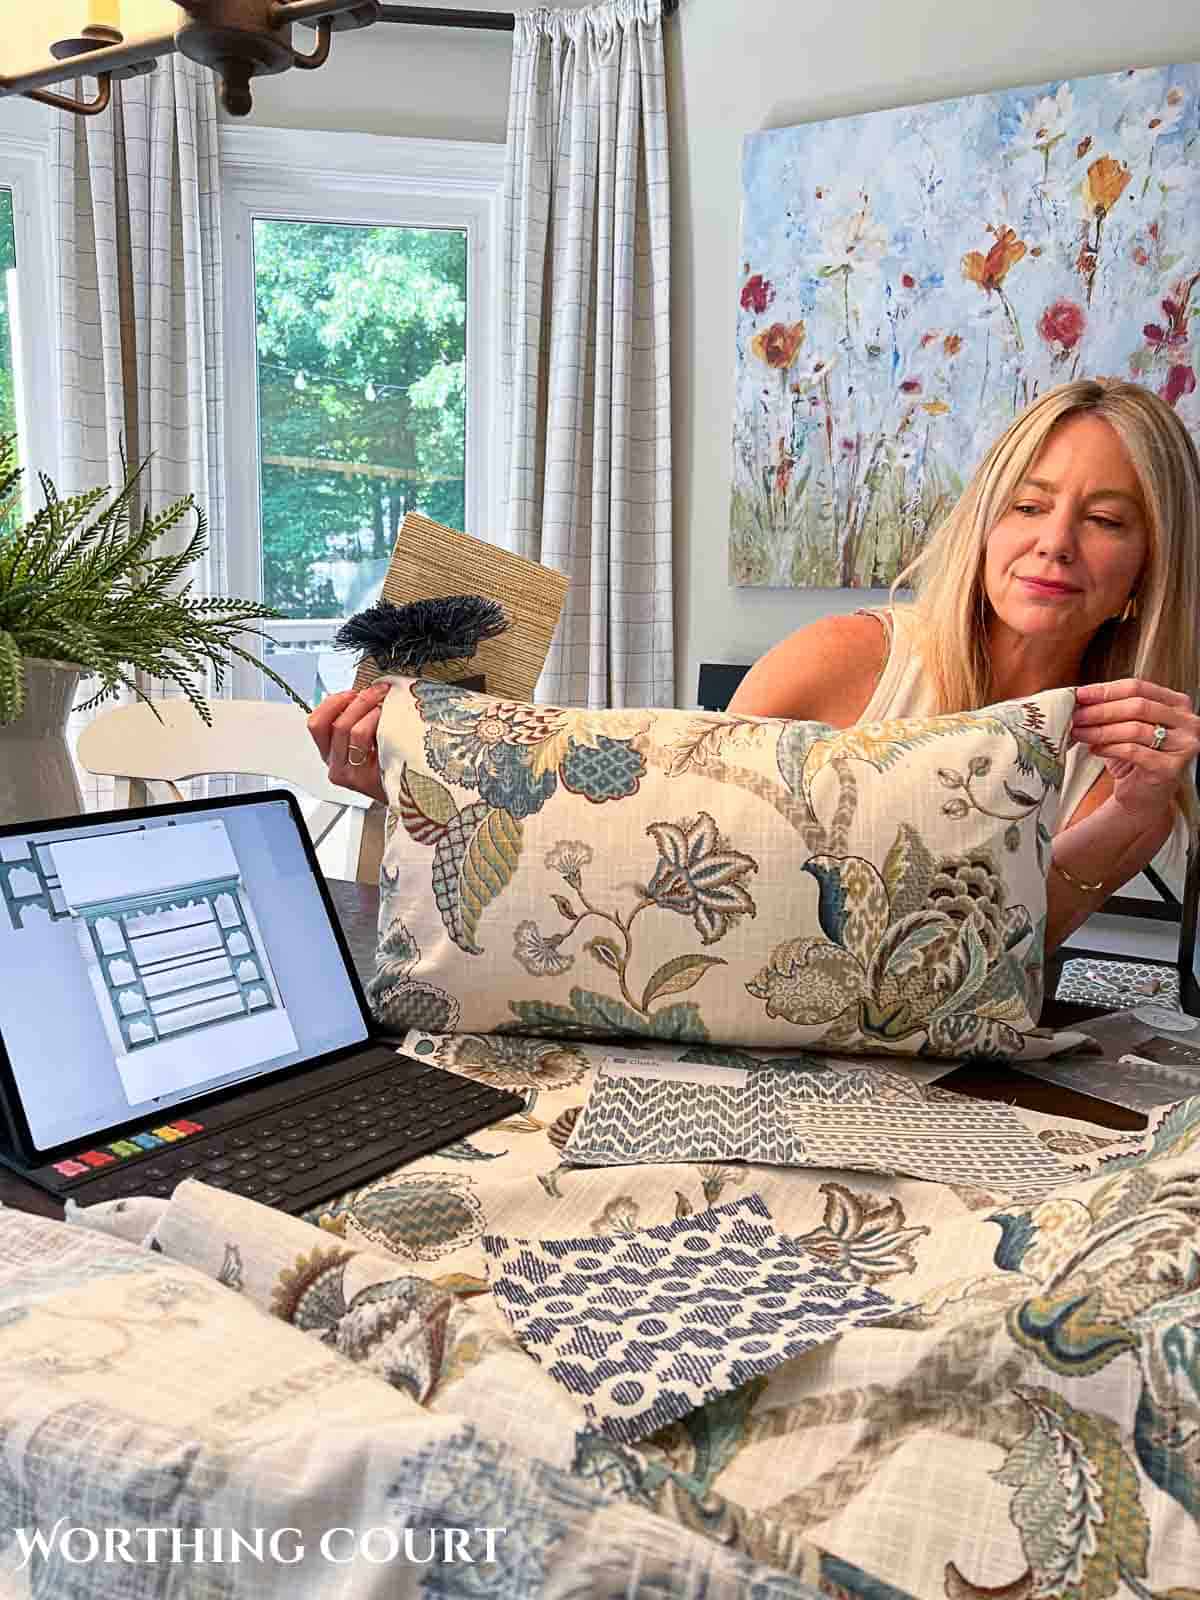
{"x":97,"y":63}
{"x":239,"y":39}
{"x":81,"y":108}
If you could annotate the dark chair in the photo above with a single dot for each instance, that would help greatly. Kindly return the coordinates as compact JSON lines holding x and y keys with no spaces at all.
{"x":717,"y":684}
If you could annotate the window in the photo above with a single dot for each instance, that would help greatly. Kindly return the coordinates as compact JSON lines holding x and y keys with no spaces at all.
{"x":28,"y":338}
{"x":9,"y":308}
{"x":360,"y":304}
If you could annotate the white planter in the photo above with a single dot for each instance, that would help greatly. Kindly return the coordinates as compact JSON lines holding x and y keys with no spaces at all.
{"x":37,"y":775}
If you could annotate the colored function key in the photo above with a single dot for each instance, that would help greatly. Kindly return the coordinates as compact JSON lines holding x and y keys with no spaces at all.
{"x":70,"y":1169}
{"x":125,"y":1147}
{"x":96,"y":1158}
{"x":146,"y":1141}
{"x":184,"y":1126}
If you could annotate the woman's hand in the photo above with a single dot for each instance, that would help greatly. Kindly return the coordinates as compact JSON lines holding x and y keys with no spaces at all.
{"x":343,"y":729}
{"x":1145,"y":735}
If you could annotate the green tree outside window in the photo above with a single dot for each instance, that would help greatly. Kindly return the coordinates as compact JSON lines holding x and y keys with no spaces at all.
{"x":361,"y":340}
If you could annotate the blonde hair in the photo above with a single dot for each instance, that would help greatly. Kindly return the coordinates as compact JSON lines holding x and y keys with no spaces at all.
{"x":1161,"y":644}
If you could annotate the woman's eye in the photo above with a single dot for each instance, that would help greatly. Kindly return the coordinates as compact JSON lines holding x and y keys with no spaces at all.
{"x":1027,"y":510}
{"x":1107,"y":522}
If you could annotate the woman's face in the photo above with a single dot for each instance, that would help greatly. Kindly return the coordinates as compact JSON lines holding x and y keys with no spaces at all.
{"x":1070,"y":549}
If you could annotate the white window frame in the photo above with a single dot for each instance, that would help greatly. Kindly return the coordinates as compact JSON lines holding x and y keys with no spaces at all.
{"x":307,"y":176}
{"x":25,"y":170}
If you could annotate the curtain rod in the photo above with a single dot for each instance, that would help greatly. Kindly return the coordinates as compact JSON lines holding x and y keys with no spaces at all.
{"x":443,"y":17}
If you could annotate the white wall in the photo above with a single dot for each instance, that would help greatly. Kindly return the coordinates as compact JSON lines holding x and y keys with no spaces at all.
{"x":427,"y":83}
{"x":738,"y":66}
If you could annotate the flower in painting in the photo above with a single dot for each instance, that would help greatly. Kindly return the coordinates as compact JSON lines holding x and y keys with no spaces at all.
{"x":859,"y":244}
{"x":1174,"y":334}
{"x":783,"y":468}
{"x":812,"y":373}
{"x":1105,"y":183}
{"x":699,"y":876}
{"x":1181,"y":380}
{"x":911,"y":386}
{"x":1061,"y":325}
{"x":757,"y":294}
{"x":1044,"y":122}
{"x":989,"y":271}
{"x":569,"y":856}
{"x":952,"y":344}
{"x":1142,"y":129}
{"x":778,"y":345}
{"x":1176,"y":181}
{"x":540,"y":956}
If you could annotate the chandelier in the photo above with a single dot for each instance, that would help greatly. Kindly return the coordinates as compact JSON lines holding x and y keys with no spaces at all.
{"x":113,"y":39}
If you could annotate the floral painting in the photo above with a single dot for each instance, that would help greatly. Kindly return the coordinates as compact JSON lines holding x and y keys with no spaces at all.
{"x":912,"y":279}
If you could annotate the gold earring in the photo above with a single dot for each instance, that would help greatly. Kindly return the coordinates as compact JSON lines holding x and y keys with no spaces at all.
{"x":1130,"y":611}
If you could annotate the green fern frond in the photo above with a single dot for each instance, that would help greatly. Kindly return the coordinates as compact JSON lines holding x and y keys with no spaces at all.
{"x":82,"y":582}
{"x":12,"y":678}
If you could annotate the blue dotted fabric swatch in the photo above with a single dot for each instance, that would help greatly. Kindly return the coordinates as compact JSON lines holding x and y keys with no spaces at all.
{"x":644,"y":1327}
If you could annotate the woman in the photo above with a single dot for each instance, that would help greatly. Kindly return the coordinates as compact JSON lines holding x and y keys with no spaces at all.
{"x":1073,"y":557}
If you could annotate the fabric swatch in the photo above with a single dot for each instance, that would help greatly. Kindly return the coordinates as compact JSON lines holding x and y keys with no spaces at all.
{"x":643,"y":1327}
{"x":862,"y":1119}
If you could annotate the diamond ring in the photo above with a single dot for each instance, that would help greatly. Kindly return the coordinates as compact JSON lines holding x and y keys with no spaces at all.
{"x":363,"y":756}
{"x":1159,"y":739}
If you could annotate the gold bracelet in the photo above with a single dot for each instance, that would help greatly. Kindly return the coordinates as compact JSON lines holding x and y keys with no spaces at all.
{"x":1076,"y":883}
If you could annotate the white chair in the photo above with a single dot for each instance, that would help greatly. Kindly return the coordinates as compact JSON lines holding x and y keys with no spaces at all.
{"x":248,"y":738}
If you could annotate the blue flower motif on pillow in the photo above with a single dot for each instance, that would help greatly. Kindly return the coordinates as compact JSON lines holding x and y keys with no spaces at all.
{"x":514,"y":754}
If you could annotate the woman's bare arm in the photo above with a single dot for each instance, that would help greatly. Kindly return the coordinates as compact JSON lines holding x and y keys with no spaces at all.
{"x":826,"y":672}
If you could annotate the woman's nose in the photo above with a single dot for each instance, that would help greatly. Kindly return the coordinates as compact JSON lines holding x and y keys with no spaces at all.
{"x":1057,"y":537}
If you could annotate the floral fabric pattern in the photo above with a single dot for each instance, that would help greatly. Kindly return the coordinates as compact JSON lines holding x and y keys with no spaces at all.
{"x":1021,"y":1419}
{"x":719,"y":879}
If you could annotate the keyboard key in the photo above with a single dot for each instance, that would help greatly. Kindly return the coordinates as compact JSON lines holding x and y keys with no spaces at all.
{"x":240,"y":1141}
{"x":272,"y":1197}
{"x":289,"y":1122}
{"x":319,"y":1139}
{"x":218,"y":1164}
{"x":268,"y":1145}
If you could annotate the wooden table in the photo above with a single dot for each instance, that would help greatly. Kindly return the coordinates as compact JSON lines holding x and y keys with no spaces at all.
{"x":357,"y":907}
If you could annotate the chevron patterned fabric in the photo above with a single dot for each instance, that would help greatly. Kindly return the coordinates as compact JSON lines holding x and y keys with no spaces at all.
{"x":812,"y":1116}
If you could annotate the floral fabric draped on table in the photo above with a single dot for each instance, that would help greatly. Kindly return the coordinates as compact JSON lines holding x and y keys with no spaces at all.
{"x":912,"y":279}
{"x":1018,"y":1414}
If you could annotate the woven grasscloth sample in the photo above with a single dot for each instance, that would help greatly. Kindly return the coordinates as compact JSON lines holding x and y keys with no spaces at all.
{"x":430,"y":562}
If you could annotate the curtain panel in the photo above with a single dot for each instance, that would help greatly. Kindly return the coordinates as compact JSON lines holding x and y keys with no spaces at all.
{"x":586,"y":351}
{"x":138,"y":223}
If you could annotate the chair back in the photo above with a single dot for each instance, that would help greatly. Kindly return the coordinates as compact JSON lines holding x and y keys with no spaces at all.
{"x":248,"y":738}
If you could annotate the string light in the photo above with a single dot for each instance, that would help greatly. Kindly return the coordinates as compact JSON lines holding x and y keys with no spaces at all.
{"x":300,"y":381}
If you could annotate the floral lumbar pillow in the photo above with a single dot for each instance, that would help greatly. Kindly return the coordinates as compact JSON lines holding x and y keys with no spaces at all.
{"x":716,"y":878}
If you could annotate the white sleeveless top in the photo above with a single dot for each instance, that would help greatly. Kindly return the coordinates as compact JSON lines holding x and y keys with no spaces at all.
{"x":904,"y":691}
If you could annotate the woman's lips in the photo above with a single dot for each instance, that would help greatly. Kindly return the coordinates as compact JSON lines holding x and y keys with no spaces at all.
{"x":1040,"y":586}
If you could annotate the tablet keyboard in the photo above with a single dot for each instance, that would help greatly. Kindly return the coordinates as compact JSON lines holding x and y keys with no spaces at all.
{"x":310,"y":1149}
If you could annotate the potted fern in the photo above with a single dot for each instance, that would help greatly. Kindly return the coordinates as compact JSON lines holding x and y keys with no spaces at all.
{"x":83,"y":594}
